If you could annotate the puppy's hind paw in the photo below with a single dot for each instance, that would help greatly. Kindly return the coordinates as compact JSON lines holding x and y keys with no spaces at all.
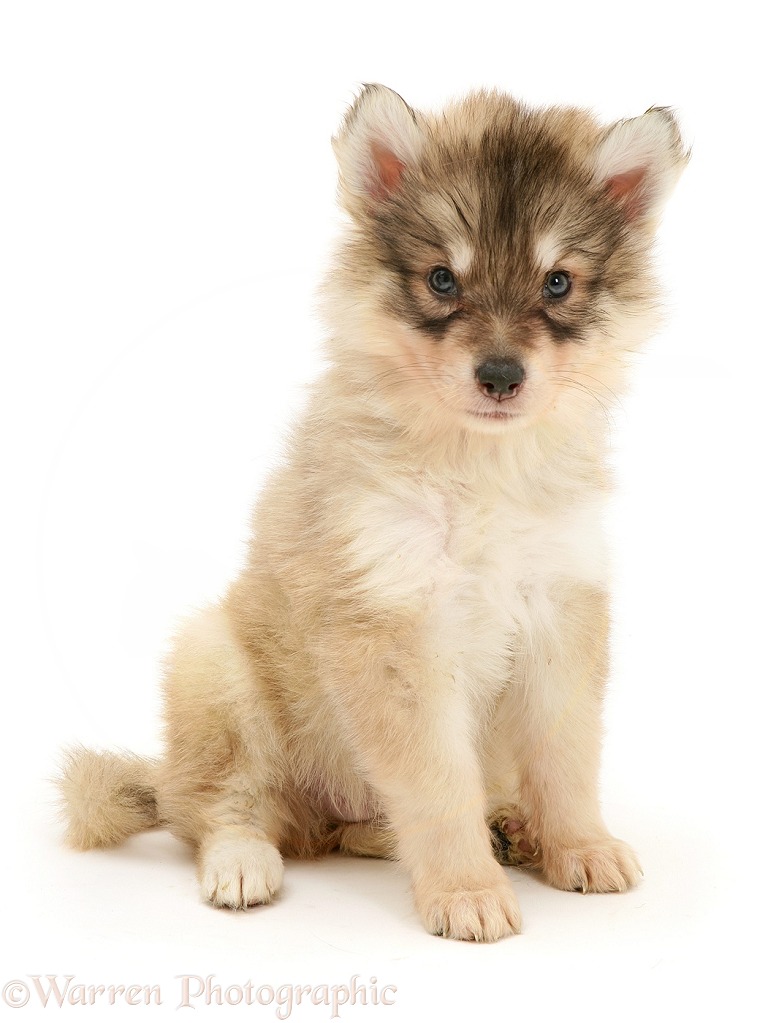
{"x":236,"y":872}
{"x":512,"y":846}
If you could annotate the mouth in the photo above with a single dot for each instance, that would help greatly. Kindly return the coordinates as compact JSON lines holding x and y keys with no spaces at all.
{"x":495,"y":414}
{"x":496,"y":408}
{"x":492,"y":415}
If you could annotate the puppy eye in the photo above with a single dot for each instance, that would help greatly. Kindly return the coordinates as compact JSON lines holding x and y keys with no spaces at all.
{"x":557,"y":284}
{"x":442,"y":281}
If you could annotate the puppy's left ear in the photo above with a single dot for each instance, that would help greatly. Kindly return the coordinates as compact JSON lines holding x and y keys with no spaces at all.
{"x":379,"y":141}
{"x":638,"y":162}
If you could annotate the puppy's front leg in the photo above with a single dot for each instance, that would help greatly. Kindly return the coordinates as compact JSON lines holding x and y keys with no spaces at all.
{"x":408,"y":720}
{"x":557,"y":722}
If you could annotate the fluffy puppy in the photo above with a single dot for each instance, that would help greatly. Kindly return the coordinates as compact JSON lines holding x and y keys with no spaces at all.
{"x":412,"y":661}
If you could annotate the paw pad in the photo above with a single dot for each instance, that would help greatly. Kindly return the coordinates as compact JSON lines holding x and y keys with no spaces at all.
{"x":511,"y":845}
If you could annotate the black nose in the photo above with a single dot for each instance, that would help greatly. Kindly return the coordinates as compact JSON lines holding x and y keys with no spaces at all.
{"x":500,"y":378}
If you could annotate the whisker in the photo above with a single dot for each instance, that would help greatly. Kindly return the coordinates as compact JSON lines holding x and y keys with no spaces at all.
{"x":572,"y":367}
{"x":609,"y":418}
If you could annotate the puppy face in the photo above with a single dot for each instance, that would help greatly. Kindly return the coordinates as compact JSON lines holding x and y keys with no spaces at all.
{"x":495,"y":274}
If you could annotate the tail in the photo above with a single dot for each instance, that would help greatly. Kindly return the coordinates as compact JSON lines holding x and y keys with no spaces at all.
{"x":106,"y":797}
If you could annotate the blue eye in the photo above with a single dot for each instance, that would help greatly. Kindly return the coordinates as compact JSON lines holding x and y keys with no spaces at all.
{"x":557,"y":284}
{"x":442,"y":281}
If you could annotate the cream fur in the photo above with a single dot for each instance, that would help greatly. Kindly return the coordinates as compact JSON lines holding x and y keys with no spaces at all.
{"x":417,"y":646}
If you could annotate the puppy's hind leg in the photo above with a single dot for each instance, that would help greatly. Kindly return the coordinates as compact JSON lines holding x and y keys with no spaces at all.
{"x":366,"y":838}
{"x":238,"y":865}
{"x":221,"y":782}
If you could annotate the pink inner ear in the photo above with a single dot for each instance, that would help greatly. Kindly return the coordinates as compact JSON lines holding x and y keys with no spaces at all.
{"x":389,"y":171}
{"x":626,"y":189}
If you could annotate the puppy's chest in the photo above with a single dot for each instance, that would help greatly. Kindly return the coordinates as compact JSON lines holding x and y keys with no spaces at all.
{"x":480,"y":565}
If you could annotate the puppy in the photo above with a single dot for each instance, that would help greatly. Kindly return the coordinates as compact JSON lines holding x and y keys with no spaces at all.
{"x":412,"y":662}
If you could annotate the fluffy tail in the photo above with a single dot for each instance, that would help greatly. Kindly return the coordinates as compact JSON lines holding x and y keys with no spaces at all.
{"x":106,"y":797}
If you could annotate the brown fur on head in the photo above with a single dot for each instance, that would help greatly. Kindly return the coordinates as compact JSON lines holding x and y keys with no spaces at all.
{"x":501,"y":196}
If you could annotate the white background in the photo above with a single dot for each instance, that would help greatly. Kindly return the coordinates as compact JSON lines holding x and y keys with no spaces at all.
{"x":167,"y":201}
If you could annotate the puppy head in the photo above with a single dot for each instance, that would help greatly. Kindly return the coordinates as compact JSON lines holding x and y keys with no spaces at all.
{"x":495,"y":274}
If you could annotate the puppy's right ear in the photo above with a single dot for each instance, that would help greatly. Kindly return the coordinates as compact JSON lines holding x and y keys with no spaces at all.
{"x":378,"y":141}
{"x":638,"y":162}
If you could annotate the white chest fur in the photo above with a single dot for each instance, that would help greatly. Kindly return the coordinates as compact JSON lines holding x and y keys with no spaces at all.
{"x":480,"y":569}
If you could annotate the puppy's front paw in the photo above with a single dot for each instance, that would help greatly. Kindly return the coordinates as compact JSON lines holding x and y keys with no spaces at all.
{"x":468,"y":912}
{"x":605,"y":865}
{"x":239,"y":871}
